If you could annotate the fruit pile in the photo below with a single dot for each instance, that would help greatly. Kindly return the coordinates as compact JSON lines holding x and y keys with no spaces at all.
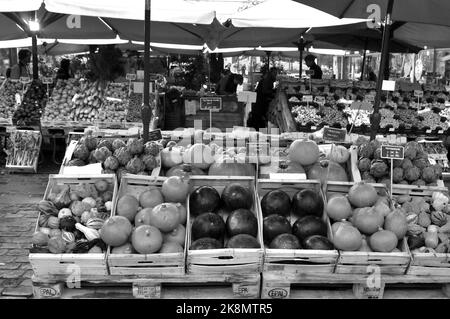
{"x":59,"y":108}
{"x":114,"y":103}
{"x":364,"y":221}
{"x":358,"y":117}
{"x":428,"y":222}
{"x":223,"y":220}
{"x":8,"y":98}
{"x":407,"y":117}
{"x":332,"y":116}
{"x":309,"y":231}
{"x":151,"y":222}
{"x":88,"y":102}
{"x":71,"y":217}
{"x":304,"y":115}
{"x":135,"y":107}
{"x":387,"y":119}
{"x":432,"y":120}
{"x":33,"y":104}
{"x":414,"y":169}
{"x":117,"y":156}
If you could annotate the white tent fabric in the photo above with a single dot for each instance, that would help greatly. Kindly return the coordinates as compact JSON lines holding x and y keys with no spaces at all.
{"x":161,"y":10}
{"x":286,"y":14}
{"x":19,"y":5}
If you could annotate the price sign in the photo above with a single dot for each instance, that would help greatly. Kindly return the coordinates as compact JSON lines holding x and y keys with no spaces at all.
{"x":388,"y":85}
{"x":392,"y":151}
{"x":334,"y":134}
{"x":47,"y":80}
{"x":418,"y":93}
{"x":307,"y":98}
{"x":320,"y":100}
{"x":155,"y":135}
{"x":131,"y":76}
{"x":213,"y":104}
{"x":25,"y":79}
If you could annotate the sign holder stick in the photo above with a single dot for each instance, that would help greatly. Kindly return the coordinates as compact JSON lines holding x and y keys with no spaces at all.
{"x":392,"y":177}
{"x":210,"y":120}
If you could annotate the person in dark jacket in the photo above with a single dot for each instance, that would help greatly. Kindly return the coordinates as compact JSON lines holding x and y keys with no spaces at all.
{"x":21,"y":68}
{"x":228,"y":84}
{"x":64,"y":70}
{"x":310,"y":62}
{"x":264,"y":95}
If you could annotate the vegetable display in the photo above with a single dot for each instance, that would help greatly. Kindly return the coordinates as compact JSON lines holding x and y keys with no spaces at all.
{"x":8,"y":93}
{"x":71,"y":217}
{"x":59,"y":107}
{"x":428,"y":222}
{"x":22,"y":148}
{"x":33,"y":104}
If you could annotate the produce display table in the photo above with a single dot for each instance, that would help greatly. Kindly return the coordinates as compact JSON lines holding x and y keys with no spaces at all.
{"x":231,"y":113}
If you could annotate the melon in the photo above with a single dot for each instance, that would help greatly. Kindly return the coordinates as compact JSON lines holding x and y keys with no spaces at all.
{"x":143,"y":217}
{"x":339,"y":154}
{"x":146,"y":239}
{"x":307,"y":202}
{"x":171,"y":248}
{"x":116,"y":230}
{"x":165,"y":217}
{"x":151,"y":197}
{"x":362,"y":195}
{"x":396,"y":222}
{"x":383,"y":241}
{"x":177,"y":235}
{"x":304,"y":152}
{"x":368,"y":221}
{"x":347,"y":238}
{"x":127,"y":206}
{"x":338,"y":208}
{"x":276,"y":202}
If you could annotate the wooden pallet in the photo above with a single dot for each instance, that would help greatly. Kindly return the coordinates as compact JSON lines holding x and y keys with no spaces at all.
{"x":203,"y":286}
{"x":279,"y":285}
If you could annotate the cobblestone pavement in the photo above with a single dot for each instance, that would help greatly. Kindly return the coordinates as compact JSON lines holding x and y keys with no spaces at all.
{"x":19,"y":195}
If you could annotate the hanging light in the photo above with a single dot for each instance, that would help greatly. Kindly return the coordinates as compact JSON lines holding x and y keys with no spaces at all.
{"x":34,"y":25}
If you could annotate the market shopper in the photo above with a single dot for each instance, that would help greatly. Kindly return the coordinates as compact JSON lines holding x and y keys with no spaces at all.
{"x":229,"y":83}
{"x":21,"y":68}
{"x":371,"y":76}
{"x":265,"y":93}
{"x":64,"y":70}
{"x":310,"y":62}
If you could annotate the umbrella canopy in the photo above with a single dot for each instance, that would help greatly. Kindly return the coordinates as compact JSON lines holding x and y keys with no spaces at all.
{"x":286,"y":14}
{"x":19,"y":6}
{"x":161,"y":10}
{"x":418,"y":11}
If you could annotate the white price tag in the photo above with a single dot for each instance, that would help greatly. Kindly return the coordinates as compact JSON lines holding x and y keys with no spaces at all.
{"x":18,"y":98}
{"x":281,"y":176}
{"x":307,"y":98}
{"x":131,"y":77}
{"x":388,"y":85}
{"x":25,"y":79}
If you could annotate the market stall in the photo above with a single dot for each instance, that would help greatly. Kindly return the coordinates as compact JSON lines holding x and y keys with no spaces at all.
{"x":164,"y":186}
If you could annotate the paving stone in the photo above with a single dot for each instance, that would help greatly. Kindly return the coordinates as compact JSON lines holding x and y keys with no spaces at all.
{"x":28,"y":274}
{"x":27,"y":283}
{"x":18,"y":292}
{"x":21,"y":246}
{"x":25,"y":239}
{"x":26,"y":266}
{"x":11,"y":266}
{"x":6,"y":259}
{"x":17,"y":252}
{"x":12,"y":282}
{"x":3,"y":252}
{"x":10,"y":274}
{"x":22,"y":259}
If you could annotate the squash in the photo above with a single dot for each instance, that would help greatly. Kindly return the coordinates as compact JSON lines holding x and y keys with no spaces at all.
{"x":438,"y":218}
{"x":339,"y":154}
{"x":199,"y":155}
{"x":47,"y":207}
{"x":431,"y":239}
{"x":89,"y":233}
{"x":231,"y":169}
{"x":321,"y":172}
{"x":171,"y":156}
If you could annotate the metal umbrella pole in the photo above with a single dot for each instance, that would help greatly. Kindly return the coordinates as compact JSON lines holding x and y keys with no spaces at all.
{"x":146,"y":109}
{"x":376,"y":117}
{"x":363,"y":66}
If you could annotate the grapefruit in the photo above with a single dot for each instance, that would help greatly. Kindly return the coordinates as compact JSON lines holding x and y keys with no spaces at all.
{"x":165,"y":217}
{"x":146,"y":239}
{"x":127,"y":206}
{"x":151,"y":198}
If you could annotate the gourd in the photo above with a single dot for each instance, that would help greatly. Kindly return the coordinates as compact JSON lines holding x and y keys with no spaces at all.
{"x":89,"y":233}
{"x":438,"y":218}
{"x":64,"y":213}
{"x":445,"y":228}
{"x":56,"y":245}
{"x":431,"y":239}
{"x":432,"y":229}
{"x":424,"y":220}
{"x":47,"y":207}
{"x":68,"y":237}
{"x":414,"y":230}
{"x":95,"y":223}
{"x":62,"y":200}
{"x":53,"y":222}
{"x":108,"y":206}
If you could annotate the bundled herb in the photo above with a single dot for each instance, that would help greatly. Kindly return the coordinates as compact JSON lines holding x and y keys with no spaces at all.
{"x":22,"y":148}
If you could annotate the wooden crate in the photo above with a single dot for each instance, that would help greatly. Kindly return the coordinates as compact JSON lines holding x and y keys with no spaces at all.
{"x":73,"y":144}
{"x":144,"y":264}
{"x":426,"y":264}
{"x":225,"y":260}
{"x":356,"y":262}
{"x":296,"y":261}
{"x":411,"y":189}
{"x":199,"y":286}
{"x":27,"y":169}
{"x":71,"y":266}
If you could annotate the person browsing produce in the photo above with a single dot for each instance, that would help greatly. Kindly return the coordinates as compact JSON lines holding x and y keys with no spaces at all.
{"x":64,"y":70}
{"x":21,"y":68}
{"x":228,"y":84}
{"x":310,"y":62}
